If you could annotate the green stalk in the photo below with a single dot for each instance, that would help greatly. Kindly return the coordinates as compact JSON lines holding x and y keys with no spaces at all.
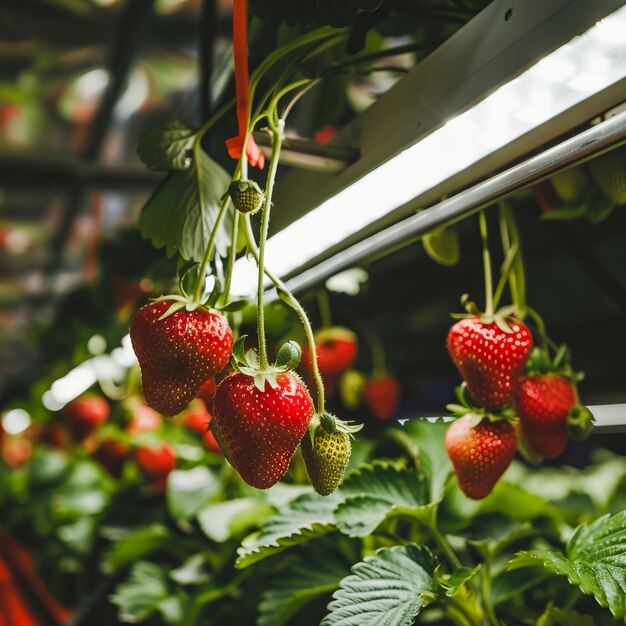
{"x":200,"y":281}
{"x":277,"y":139}
{"x":485,"y":592}
{"x":232,"y":253}
{"x":508,"y":275}
{"x":482,"y":220}
{"x":308,"y":329}
{"x":519,"y":271}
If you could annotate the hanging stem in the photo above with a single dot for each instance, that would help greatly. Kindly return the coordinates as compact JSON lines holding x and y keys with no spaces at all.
{"x":507,"y":275}
{"x":201,"y":280}
{"x":232,"y":253}
{"x":519,"y":271}
{"x":489,"y":310}
{"x":277,"y":139}
{"x":308,"y":329}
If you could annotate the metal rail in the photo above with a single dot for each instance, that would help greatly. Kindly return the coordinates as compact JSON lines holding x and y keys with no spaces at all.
{"x":571,"y":152}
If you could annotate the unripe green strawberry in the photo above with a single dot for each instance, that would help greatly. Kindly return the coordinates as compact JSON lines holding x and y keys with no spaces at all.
{"x":246,"y":196}
{"x":326,"y":455}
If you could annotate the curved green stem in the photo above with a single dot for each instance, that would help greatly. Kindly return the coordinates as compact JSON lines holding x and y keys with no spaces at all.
{"x":277,"y":139}
{"x":308,"y":329}
{"x":482,"y":220}
{"x":519,"y":271}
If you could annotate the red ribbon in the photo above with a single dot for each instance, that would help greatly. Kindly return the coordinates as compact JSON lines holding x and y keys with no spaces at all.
{"x":240,"y":48}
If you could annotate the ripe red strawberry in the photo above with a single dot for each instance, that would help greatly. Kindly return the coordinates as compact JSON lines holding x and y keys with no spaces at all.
{"x":490,"y":360}
{"x":382,"y":393}
{"x":336,"y":350}
{"x":85,"y":414}
{"x":178,"y":353}
{"x":261,"y":429}
{"x":198,"y":419}
{"x":112,"y":455}
{"x":543,"y":404}
{"x":144,"y":419}
{"x":206,"y":392}
{"x":156,"y":464}
{"x":480,"y":454}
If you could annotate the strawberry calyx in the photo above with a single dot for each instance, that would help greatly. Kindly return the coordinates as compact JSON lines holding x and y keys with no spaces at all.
{"x":329,"y":423}
{"x":247,"y":362}
{"x":502,"y":317}
{"x":467,"y":406}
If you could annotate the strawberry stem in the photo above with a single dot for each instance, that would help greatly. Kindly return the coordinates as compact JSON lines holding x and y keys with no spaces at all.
{"x":482,"y":220}
{"x":232,"y":253}
{"x":201,"y":280}
{"x":277,"y":139}
{"x":308,"y":329}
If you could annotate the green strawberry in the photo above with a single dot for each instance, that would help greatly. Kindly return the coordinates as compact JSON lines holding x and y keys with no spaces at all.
{"x":246,"y":195}
{"x":326,"y":455}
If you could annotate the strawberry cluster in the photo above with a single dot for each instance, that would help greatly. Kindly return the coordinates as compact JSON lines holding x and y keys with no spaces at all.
{"x":513,"y":397}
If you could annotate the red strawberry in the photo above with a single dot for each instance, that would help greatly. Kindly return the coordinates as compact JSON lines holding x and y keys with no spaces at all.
{"x":480,"y":454}
{"x":197,"y":417}
{"x":156,"y":464}
{"x":178,"y":353}
{"x":112,"y":454}
{"x":144,"y":419}
{"x":206,"y":392}
{"x":261,"y":429}
{"x":543,"y":404}
{"x":336,"y":350}
{"x":84,"y":415}
{"x":382,"y":393}
{"x":210,"y":442}
{"x":489,"y":359}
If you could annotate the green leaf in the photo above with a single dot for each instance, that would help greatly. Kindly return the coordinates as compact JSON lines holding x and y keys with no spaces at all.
{"x":191,"y":572}
{"x":305,"y":518}
{"x":235,"y":305}
{"x":166,"y":147}
{"x":313,"y":574}
{"x":457,"y":579}
{"x":134,"y":546}
{"x":181,"y":213}
{"x":595,"y":561}
{"x":139,"y":596}
{"x":388,"y":589}
{"x":189,"y":490}
{"x":224,"y":520}
{"x":434,"y":462}
{"x":84,"y":492}
{"x":47,"y":467}
{"x":554,"y":616}
{"x":377,"y":492}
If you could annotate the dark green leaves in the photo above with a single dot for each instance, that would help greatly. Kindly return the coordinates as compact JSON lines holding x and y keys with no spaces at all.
{"x":375,"y":493}
{"x":167,"y":146}
{"x":147,"y":592}
{"x":388,"y":589}
{"x":595,"y":561}
{"x":308,"y":516}
{"x":318,"y":572}
{"x":182,"y":212}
